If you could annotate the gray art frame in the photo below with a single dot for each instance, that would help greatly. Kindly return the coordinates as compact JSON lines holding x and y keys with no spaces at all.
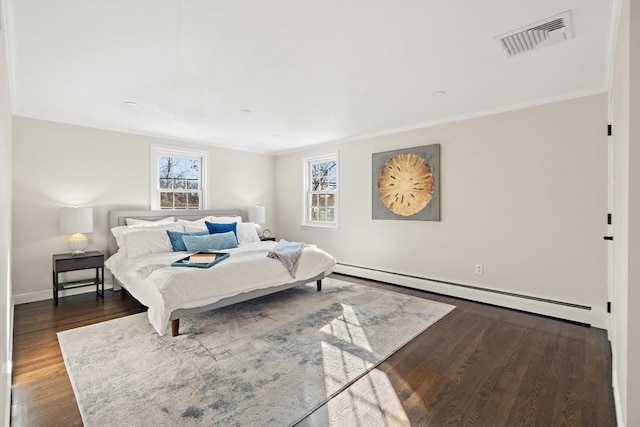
{"x":431,"y":156}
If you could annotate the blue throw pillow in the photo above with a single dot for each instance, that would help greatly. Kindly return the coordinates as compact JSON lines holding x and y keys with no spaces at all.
{"x":210,"y":242}
{"x":215,"y":227}
{"x":176,"y":238}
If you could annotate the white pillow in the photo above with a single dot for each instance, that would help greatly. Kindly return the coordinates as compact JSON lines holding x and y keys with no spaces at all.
{"x":196,"y":223}
{"x":199,"y":225}
{"x":145,"y":242}
{"x":247,"y":233}
{"x":134,"y":221}
{"x":206,"y":218}
{"x":225,"y":219}
{"x":188,"y":227}
{"x":119,"y":232}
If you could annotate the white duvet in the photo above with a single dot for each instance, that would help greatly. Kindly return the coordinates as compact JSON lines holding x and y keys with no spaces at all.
{"x":162,"y":288}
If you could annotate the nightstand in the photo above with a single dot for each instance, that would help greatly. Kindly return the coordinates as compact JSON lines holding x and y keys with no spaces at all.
{"x":267,"y":239}
{"x":67,"y":262}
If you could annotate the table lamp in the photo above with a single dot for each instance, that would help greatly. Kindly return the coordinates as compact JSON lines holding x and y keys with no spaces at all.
{"x":76,"y":221}
{"x":258,"y":216}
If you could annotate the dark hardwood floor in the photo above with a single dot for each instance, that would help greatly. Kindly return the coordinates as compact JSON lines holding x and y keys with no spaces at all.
{"x":479,"y":366}
{"x":41,"y":391}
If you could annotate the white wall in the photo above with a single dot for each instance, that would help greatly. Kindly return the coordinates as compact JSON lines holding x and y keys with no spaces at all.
{"x":56,"y":165}
{"x":6,"y":307}
{"x":625,"y":106}
{"x":523,"y":192}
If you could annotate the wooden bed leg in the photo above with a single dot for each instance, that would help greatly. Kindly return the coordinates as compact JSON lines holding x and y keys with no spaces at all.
{"x":319,"y":284}
{"x":175,"y":326}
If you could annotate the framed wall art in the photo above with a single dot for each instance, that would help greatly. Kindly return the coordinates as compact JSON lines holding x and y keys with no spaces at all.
{"x":406,"y":184}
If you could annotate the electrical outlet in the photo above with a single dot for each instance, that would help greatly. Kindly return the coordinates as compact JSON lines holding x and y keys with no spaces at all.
{"x":479,"y":269}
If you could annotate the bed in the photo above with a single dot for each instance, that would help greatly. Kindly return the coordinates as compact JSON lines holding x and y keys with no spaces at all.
{"x":172,"y":293}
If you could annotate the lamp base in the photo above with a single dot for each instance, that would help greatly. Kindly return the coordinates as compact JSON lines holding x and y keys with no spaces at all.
{"x":77,"y":244}
{"x":259,"y":230}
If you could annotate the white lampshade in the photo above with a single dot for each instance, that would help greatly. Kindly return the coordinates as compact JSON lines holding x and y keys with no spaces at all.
{"x":257,"y":214}
{"x":76,"y":221}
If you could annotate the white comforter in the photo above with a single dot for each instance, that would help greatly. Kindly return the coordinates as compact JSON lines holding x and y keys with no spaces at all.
{"x":162,"y":288}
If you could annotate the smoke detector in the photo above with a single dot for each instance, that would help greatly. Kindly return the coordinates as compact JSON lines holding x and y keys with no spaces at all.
{"x":543,"y":33}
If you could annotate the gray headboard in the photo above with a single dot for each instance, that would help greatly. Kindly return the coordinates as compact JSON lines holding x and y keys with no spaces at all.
{"x":118,"y":217}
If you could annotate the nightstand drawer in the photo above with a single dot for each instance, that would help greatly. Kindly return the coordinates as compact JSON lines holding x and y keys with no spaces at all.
{"x":80,"y":263}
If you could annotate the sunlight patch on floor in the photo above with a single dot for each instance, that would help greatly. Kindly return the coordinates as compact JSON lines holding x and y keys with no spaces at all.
{"x":347,"y":328}
{"x":370,"y":401}
{"x":340,"y":367}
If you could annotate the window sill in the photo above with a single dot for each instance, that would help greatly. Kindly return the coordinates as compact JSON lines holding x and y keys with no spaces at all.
{"x":319,"y":226}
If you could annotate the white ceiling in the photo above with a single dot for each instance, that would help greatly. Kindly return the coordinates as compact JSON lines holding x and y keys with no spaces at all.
{"x":309,"y":71}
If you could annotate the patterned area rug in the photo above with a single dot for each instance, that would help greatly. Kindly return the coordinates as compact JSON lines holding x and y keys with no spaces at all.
{"x":267,"y":362}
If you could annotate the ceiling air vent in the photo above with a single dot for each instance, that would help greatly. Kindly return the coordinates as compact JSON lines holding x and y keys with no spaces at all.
{"x":543,"y":33}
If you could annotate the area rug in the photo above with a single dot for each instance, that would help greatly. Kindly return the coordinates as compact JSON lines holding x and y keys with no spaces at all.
{"x":266,"y":362}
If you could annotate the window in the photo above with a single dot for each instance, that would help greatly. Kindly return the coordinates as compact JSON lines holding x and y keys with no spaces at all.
{"x":321,"y":191}
{"x":178,"y":178}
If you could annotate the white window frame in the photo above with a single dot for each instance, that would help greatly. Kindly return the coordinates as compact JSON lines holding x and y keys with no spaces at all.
{"x":306,"y":191}
{"x":158,"y":150}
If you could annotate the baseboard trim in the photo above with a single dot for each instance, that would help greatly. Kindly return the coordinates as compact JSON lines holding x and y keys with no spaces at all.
{"x":593,"y":316}
{"x":616,"y":398}
{"x":48,"y":294}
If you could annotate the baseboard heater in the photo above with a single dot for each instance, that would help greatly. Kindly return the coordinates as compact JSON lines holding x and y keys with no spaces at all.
{"x":544,"y":306}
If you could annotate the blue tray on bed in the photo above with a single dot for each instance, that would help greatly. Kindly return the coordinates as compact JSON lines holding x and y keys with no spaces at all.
{"x":187,"y":262}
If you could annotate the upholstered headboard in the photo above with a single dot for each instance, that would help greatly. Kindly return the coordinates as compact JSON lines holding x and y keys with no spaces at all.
{"x":118,"y":218}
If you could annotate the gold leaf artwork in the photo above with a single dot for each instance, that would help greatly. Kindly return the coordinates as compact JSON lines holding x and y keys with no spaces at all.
{"x":405,"y":184}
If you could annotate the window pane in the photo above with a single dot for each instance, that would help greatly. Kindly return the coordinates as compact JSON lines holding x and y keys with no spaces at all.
{"x":193,"y":200}
{"x":330,"y":201}
{"x":180,"y":200}
{"x":191,"y":177}
{"x":331,"y":214}
{"x":323,"y":200}
{"x":165,"y":183}
{"x":180,"y":169}
{"x":177,"y":167}
{"x":192,"y":183}
{"x":166,"y":200}
{"x":314,"y":214}
{"x":324,"y":176}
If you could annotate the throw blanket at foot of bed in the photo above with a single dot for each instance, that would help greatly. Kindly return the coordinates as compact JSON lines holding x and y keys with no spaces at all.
{"x":288,"y":253}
